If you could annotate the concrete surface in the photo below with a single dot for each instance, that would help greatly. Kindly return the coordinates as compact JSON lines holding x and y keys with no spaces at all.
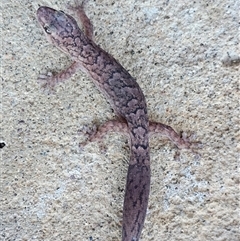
{"x":185,"y":56}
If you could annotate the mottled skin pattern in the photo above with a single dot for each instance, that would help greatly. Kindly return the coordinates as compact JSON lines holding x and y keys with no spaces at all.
{"x":125,"y":97}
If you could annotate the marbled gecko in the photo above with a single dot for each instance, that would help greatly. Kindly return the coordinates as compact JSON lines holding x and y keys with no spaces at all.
{"x":125,"y":97}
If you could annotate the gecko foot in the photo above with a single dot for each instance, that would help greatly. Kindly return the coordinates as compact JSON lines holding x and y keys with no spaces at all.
{"x":92,"y":134}
{"x":46,"y":82}
{"x":89,"y":132}
{"x":189,"y":142}
{"x":49,"y":80}
{"x":96,"y":133}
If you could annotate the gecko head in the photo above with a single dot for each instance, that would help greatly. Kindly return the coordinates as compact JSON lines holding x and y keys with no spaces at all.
{"x":59,"y":27}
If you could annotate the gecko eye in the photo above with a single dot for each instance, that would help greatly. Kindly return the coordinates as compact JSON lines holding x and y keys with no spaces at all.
{"x":47,"y":29}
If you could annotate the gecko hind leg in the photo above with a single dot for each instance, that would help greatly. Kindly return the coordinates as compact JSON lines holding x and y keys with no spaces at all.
{"x":97,"y":133}
{"x":180,"y":140}
{"x":78,"y":8}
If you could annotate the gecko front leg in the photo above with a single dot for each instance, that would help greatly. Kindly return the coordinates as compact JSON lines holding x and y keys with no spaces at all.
{"x":49,"y":80}
{"x":83,"y":18}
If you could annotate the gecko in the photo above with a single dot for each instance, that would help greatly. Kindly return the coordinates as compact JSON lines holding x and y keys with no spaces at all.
{"x":125,"y":97}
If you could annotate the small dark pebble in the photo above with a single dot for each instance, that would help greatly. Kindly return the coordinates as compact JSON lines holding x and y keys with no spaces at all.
{"x":2,"y":144}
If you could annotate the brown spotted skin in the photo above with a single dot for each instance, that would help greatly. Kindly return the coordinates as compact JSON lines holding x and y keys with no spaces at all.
{"x":125,"y":97}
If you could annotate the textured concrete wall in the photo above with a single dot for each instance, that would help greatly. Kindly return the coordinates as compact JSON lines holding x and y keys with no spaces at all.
{"x":185,"y":56}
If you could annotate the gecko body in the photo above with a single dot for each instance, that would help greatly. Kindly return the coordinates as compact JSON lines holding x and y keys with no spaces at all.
{"x":125,"y":97}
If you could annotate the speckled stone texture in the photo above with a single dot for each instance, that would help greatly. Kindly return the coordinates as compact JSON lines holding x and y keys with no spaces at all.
{"x":185,"y":56}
